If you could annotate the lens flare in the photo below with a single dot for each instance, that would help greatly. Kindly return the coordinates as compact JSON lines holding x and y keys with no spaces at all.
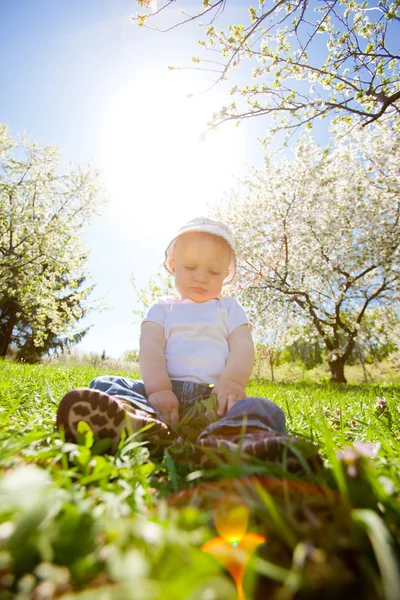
{"x":231,"y":518}
{"x":234,"y":557}
{"x":234,"y":546}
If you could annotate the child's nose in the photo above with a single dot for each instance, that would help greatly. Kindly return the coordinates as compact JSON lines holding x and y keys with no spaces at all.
{"x":201,"y":275}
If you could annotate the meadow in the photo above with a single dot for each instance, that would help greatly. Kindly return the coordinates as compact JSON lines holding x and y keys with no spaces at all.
{"x":76,"y":522}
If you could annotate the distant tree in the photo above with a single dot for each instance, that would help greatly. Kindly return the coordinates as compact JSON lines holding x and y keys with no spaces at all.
{"x":131,"y":356}
{"x":43,"y":211}
{"x":376,"y":340}
{"x":68,"y":297}
{"x":324,"y":234}
{"x":273,"y":330}
{"x":376,"y":337}
{"x":266,"y":353}
{"x":395,"y":339}
{"x":161,"y":284}
{"x":308,"y":353}
{"x":310,"y":59}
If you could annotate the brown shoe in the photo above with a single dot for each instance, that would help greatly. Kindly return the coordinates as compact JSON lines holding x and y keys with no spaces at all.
{"x":269,"y":445}
{"x":106,"y":415}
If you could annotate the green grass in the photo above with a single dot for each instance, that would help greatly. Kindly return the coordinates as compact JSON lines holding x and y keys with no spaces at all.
{"x":75,"y":523}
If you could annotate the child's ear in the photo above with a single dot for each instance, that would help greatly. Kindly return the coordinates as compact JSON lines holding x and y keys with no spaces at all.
{"x":171,"y":264}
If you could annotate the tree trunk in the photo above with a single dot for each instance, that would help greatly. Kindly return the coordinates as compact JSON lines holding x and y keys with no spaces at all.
{"x":337,"y":370}
{"x":271,"y":364}
{"x":8,"y":320}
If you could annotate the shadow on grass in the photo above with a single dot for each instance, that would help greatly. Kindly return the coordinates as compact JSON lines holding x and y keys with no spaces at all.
{"x":310,"y":386}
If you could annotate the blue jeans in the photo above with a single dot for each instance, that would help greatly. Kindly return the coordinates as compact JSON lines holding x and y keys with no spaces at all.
{"x":255,"y":412}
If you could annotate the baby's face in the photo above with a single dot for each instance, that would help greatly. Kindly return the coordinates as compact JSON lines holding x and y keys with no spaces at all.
{"x":200,"y":265}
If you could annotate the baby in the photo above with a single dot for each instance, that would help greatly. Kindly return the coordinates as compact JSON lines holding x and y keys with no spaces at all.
{"x":191,"y":346}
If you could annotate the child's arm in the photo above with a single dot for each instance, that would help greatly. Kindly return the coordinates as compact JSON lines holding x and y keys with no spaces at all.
{"x":239,"y":365}
{"x":153,"y":369}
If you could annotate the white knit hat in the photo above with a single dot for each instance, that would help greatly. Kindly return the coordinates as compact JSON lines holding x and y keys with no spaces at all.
{"x":207,"y":225}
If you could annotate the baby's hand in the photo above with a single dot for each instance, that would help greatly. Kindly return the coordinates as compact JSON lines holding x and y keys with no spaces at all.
{"x":167,"y":405}
{"x":227,"y":393}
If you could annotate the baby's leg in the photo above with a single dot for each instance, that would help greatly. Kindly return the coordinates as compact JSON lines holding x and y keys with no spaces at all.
{"x":250,"y":414}
{"x":131,"y":390}
{"x":109,"y":406}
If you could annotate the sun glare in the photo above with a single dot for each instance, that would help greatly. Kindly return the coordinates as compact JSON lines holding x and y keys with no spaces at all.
{"x":157,"y":165}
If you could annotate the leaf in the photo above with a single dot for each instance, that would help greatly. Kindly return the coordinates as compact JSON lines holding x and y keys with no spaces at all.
{"x":210,"y":404}
{"x":85,"y":435}
{"x":172,"y":471}
{"x":101,"y":446}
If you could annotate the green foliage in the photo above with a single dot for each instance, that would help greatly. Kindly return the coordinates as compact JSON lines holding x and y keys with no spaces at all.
{"x":131,"y":355}
{"x":78,"y":522}
{"x":308,"y":353}
{"x":43,"y":289}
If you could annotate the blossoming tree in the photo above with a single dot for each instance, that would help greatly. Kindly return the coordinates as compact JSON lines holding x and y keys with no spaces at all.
{"x":324,"y":233}
{"x":43,"y":211}
{"x":309,"y":60}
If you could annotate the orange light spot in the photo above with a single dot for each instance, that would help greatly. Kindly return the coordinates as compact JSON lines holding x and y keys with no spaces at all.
{"x":231,"y":518}
{"x":234,"y":558}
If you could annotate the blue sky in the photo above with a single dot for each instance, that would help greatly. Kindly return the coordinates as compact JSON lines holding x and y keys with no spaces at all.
{"x":83,"y":76}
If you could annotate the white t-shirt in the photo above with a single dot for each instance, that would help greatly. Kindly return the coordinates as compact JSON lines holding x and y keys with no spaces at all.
{"x":196,"y":335}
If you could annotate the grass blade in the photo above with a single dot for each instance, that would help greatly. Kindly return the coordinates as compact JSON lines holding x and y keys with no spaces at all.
{"x":381,"y":541}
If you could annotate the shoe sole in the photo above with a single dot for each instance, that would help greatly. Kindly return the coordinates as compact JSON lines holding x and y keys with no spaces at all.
{"x":104,"y":414}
